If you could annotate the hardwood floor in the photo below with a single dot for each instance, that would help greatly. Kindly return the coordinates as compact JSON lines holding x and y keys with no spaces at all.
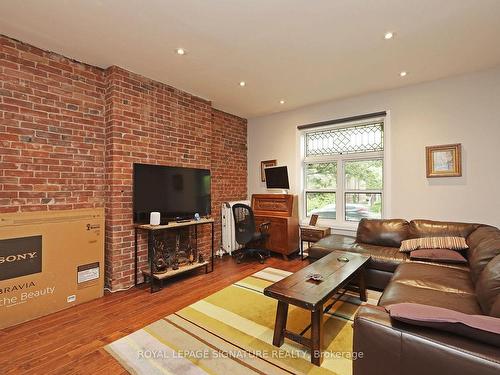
{"x":71,"y":341}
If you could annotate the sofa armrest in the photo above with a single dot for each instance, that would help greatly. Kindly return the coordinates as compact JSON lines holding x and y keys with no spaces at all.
{"x":391,"y":347}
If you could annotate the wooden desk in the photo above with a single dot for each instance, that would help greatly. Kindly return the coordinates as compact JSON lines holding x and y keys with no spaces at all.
{"x":310,"y":234}
{"x":281,"y":211}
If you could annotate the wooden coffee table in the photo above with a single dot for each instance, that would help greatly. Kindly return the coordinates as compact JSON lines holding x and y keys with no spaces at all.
{"x":299,"y":290}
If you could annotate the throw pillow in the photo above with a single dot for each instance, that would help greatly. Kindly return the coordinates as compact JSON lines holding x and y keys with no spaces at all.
{"x":477,"y":327}
{"x":438,"y":255}
{"x":453,"y":243}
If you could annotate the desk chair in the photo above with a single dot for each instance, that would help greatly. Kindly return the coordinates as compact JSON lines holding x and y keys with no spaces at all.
{"x":247,"y":235}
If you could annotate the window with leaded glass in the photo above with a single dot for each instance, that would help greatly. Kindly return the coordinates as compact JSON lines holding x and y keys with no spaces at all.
{"x":343,"y":170}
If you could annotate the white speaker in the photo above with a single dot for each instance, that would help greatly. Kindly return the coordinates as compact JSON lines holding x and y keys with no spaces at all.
{"x":154,"y":218}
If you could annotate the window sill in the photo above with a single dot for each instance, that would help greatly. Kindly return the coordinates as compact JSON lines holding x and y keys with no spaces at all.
{"x":335,"y":226}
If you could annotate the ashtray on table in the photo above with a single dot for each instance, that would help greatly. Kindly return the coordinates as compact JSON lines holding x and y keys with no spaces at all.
{"x":315,"y":276}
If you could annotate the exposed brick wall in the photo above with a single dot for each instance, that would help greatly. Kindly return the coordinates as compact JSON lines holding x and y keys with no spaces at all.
{"x":70,"y":133}
{"x":51,"y":131}
{"x":146,"y":122}
{"x":229,"y":162}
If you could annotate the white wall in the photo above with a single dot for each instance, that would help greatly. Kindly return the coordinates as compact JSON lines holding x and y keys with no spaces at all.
{"x":464,"y":109}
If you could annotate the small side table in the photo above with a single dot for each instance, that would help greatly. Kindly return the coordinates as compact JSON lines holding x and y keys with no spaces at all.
{"x":311,"y":234}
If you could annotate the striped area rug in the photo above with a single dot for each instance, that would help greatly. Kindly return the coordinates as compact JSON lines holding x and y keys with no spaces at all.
{"x":230,"y":332}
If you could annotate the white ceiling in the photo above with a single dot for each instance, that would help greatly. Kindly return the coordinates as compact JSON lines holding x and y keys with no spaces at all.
{"x":303,"y":51}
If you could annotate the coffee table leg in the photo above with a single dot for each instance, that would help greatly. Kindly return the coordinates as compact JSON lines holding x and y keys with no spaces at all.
{"x":362,"y":286}
{"x":316,"y":335}
{"x":280,"y":324}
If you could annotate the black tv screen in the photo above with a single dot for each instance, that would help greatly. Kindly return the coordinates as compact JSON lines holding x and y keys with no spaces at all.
{"x":277,"y":178}
{"x":175,"y":192}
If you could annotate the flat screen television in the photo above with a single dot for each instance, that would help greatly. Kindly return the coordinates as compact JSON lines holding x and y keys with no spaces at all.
{"x":177,"y":193}
{"x":277,"y":178}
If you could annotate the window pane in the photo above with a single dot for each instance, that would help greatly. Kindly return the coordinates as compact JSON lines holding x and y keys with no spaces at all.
{"x":321,"y":176}
{"x":363,"y":175}
{"x":322,"y":204}
{"x":363,"y":205}
{"x":354,"y":139}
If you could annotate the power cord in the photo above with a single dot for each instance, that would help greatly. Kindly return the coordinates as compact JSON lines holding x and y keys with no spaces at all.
{"x":118,"y":290}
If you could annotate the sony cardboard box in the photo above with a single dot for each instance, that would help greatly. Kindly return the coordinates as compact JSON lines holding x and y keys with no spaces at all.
{"x":49,"y":261}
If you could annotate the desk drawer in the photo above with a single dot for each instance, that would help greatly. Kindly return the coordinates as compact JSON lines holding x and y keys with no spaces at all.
{"x":313,"y":235}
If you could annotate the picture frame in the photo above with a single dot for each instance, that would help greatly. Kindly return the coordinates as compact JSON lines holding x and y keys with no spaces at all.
{"x":444,"y":160}
{"x":313,"y":220}
{"x":266,"y":164}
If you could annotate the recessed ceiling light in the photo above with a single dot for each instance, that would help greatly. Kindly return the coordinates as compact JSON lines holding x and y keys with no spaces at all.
{"x":180,"y":51}
{"x":388,"y":35}
{"x":403,"y":74}
{"x":243,"y":83}
{"x":282,"y":101}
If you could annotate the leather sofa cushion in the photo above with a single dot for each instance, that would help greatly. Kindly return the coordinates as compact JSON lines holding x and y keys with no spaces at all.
{"x":329,"y":243}
{"x":398,"y":293}
{"x":488,"y":288}
{"x":495,"y":308}
{"x":383,"y":258}
{"x":431,"y":228}
{"x":459,"y":266}
{"x":484,"y":245}
{"x":382,"y":232}
{"x":376,"y":279}
{"x":432,"y":285}
{"x":435,"y":277}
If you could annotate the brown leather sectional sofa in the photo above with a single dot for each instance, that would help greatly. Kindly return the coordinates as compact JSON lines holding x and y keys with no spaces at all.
{"x":392,"y":347}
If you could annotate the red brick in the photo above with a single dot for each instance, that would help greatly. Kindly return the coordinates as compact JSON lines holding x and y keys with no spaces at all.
{"x":82,"y":128}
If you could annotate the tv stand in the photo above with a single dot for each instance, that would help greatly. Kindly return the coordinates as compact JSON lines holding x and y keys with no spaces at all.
{"x":156,"y":276}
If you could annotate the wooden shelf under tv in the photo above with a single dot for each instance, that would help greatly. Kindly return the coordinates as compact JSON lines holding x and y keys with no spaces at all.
{"x":156,"y":230}
{"x":172,"y":273}
{"x":175,"y":224}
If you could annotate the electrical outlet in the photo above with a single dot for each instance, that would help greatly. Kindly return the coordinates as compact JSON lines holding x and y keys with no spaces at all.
{"x":71,"y":298}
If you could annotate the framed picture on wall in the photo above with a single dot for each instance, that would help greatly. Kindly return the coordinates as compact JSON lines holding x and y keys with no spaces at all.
{"x":444,"y":160}
{"x":266,"y":164}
